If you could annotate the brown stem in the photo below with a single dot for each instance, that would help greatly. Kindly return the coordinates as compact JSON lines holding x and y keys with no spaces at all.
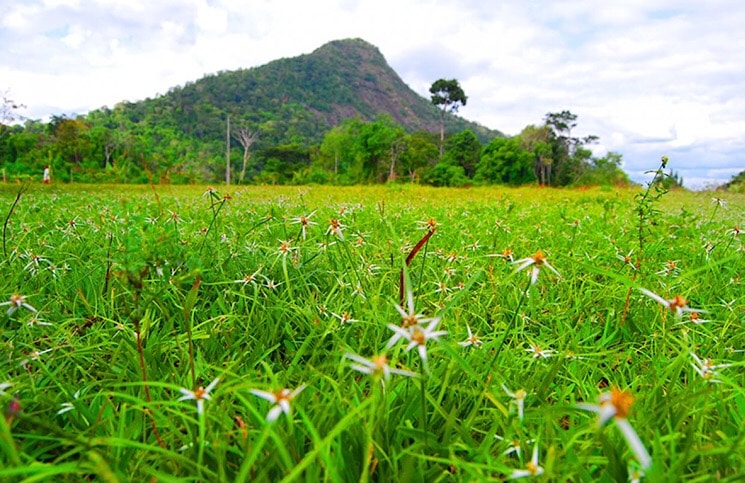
{"x":144,"y":381}
{"x":414,"y":251}
{"x":107,"y":277}
{"x":10,"y":213}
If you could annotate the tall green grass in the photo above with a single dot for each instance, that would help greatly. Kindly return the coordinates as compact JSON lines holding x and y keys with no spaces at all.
{"x":153,"y":292}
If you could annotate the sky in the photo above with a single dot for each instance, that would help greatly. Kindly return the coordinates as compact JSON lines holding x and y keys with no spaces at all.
{"x":649,"y":77}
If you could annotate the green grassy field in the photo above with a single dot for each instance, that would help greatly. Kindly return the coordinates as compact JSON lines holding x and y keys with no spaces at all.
{"x":178,"y":334}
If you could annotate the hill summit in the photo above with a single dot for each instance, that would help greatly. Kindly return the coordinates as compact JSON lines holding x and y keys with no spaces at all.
{"x":300,"y":98}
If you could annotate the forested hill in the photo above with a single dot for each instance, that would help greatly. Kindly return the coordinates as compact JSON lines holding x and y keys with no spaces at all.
{"x":297,"y":100}
{"x":338,"y":115}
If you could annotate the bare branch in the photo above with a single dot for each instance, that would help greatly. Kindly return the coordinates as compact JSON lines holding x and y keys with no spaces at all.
{"x":246,"y":138}
{"x":8,"y":109}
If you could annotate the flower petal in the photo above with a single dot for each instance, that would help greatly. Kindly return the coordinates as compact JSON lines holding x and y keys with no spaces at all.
{"x":264,"y":395}
{"x":273,"y":414}
{"x":636,"y":445}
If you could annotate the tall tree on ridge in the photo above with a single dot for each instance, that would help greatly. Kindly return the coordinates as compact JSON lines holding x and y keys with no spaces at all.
{"x":570,"y":156}
{"x":448,"y":96}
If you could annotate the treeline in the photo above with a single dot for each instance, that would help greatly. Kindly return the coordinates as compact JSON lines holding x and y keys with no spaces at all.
{"x":126,"y":146}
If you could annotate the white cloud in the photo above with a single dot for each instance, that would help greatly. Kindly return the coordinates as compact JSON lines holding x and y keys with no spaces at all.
{"x":135,"y":5}
{"x":211,"y":19}
{"x":75,"y":37}
{"x":61,"y":3}
{"x":16,"y":17}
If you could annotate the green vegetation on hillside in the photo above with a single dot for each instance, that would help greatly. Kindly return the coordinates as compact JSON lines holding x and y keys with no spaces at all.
{"x":338,"y":115}
{"x":736,"y":184}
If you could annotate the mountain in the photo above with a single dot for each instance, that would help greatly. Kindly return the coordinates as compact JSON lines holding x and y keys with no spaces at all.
{"x":296,"y":100}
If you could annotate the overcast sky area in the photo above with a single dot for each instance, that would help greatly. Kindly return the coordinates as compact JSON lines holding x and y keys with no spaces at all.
{"x":649,"y":77}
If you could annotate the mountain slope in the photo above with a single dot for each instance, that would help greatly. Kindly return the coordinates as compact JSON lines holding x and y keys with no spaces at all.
{"x":296,"y":100}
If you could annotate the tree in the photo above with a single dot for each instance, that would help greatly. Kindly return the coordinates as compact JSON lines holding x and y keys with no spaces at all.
{"x":421,"y":154}
{"x":8,"y":114}
{"x":246,"y":137}
{"x":537,"y":140}
{"x":448,"y":96}
{"x":281,"y":163}
{"x":335,"y":153}
{"x":566,"y":158}
{"x":71,"y":138}
{"x":378,"y":145}
{"x":107,"y":140}
{"x":562,"y":144}
{"x":604,"y":171}
{"x":562,"y":124}
{"x":504,"y":160}
{"x":399,"y":145}
{"x":227,"y":152}
{"x":669,"y":180}
{"x":464,"y":150}
{"x":444,"y":174}
{"x":22,"y":151}
{"x":8,"y":109}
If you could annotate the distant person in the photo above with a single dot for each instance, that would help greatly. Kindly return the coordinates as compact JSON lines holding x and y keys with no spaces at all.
{"x":47,"y":175}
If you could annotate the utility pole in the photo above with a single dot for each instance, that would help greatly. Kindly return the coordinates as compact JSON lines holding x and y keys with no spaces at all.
{"x":227,"y":154}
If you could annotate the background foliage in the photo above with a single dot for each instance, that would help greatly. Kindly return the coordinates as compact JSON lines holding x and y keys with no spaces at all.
{"x":339,"y":115}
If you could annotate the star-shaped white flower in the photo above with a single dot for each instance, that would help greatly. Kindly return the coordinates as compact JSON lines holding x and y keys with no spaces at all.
{"x":616,"y":404}
{"x":281,"y":400}
{"x":706,"y":368}
{"x":471,"y":340}
{"x":418,"y":335}
{"x":200,"y":395}
{"x":304,"y":222}
{"x":531,"y":469}
{"x":677,"y":304}
{"x":536,"y":261}
{"x":719,"y":202}
{"x":16,"y":302}
{"x":519,"y":400}
{"x":335,"y":228}
{"x":344,"y":318}
{"x":249,"y":278}
{"x":539,"y":352}
{"x":409,"y":319}
{"x":376,"y":366}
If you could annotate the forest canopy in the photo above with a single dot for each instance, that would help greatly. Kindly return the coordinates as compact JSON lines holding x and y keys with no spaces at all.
{"x":112,"y":146}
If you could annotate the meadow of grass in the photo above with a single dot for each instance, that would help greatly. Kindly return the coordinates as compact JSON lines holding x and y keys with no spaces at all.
{"x":183,"y":334}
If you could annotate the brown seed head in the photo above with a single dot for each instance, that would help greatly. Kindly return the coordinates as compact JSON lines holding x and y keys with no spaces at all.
{"x":678,"y":302}
{"x":538,"y":258}
{"x":621,"y":401}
